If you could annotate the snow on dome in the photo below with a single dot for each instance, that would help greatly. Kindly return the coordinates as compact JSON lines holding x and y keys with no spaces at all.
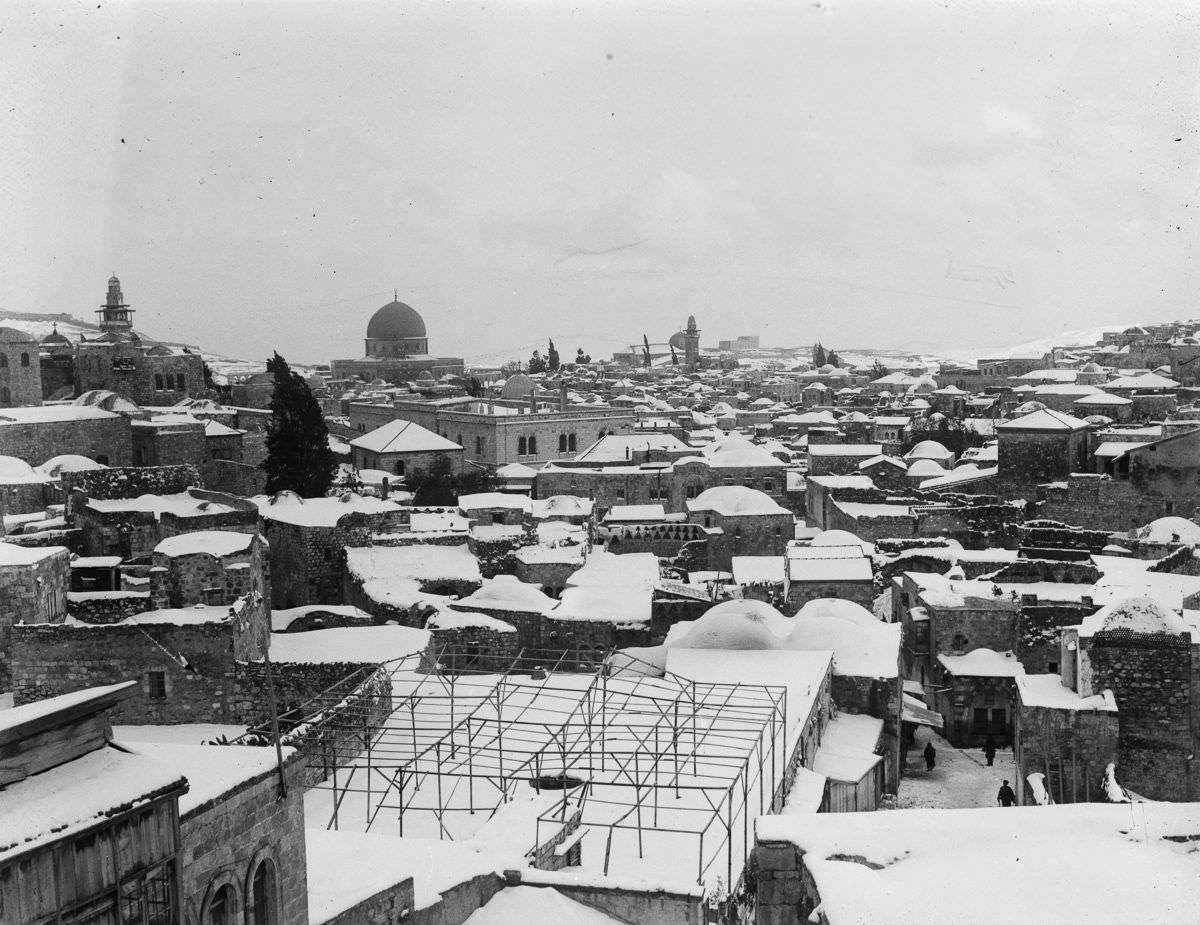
{"x":862,"y":646}
{"x":1168,"y":530}
{"x":740,"y":624}
{"x":1097,"y":420}
{"x":735,"y":501}
{"x":1028,"y":407}
{"x":1141,"y":615}
{"x":13,"y":468}
{"x":517,"y":387}
{"x":925,"y":468}
{"x":928,"y":449}
{"x":982,"y":663}
{"x":506,"y":592}
{"x":216,"y":543}
{"x":738,"y":452}
{"x":103,"y":398}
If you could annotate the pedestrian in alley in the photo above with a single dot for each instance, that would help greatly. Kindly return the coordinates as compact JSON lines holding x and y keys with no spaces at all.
{"x":989,"y":750}
{"x":1006,"y":797}
{"x":930,"y":754}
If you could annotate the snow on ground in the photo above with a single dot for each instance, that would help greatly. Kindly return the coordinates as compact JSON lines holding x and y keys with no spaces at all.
{"x":960,"y":778}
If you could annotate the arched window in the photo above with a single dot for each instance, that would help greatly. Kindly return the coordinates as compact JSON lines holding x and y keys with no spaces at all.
{"x":262,"y":894}
{"x":571,"y":443}
{"x":24,"y":359}
{"x":562,"y":443}
{"x":5,"y":396}
{"x":399,"y":467}
{"x":458,"y":439}
{"x":158,"y":381}
{"x":181,"y":383}
{"x":521,"y":446}
{"x":533,"y":446}
{"x":3,"y":361}
{"x":223,"y":906}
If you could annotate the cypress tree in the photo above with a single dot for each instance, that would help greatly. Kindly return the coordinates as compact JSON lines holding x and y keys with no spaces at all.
{"x":298,"y":455}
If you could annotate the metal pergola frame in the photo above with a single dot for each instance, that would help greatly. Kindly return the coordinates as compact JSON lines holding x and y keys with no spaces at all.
{"x":470,"y":738}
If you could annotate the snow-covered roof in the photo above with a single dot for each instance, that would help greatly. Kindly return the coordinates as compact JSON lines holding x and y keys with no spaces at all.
{"x":214,"y":542}
{"x":749,"y":570}
{"x":736,"y":501}
{"x":862,"y":645}
{"x":847,"y":749}
{"x":360,"y":645}
{"x":59,"y":802}
{"x":1141,"y":615}
{"x":982,"y":663}
{"x":563,"y":506}
{"x":1044,"y":420}
{"x":506,"y":592}
{"x":620,"y":513}
{"x":892,"y":867}
{"x":1168,"y":530}
{"x":12,"y":554}
{"x":287,"y":507}
{"x":494,"y":500}
{"x":54,"y":414}
{"x":1047,"y":690}
{"x":403,"y":437}
{"x":462,"y":619}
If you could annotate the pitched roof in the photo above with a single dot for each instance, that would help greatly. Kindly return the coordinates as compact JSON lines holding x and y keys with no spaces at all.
{"x":403,"y":437}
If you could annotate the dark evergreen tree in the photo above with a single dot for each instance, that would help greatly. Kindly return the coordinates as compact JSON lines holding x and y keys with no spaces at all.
{"x":536,"y":363}
{"x":552,"y":360}
{"x":833,"y":359}
{"x":819,"y":355}
{"x":582,"y":358}
{"x":674,"y":356}
{"x":645,"y":351}
{"x":298,"y":455}
{"x":474,"y":387}
{"x":878,"y":371}
{"x":438,"y":485}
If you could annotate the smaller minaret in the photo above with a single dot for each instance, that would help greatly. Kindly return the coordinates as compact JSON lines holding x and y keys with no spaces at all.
{"x":691,"y":345}
{"x":114,"y":314}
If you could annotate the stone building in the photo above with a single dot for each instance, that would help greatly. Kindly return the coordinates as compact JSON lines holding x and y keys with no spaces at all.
{"x":1144,"y":654}
{"x":974,"y":695}
{"x":740,"y":521}
{"x":168,"y":440}
{"x":495,"y":433}
{"x":399,"y":447}
{"x":396,"y":349}
{"x":57,"y":365}
{"x":460,"y":641}
{"x":829,"y":569}
{"x":33,"y":589}
{"x":1045,"y":446}
{"x":20,"y":369}
{"x":213,"y":567}
{"x":308,"y":538}
{"x":118,"y":360}
{"x":36,"y":434}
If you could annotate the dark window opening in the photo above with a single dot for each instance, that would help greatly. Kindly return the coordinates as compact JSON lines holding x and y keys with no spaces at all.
{"x":157,"y":684}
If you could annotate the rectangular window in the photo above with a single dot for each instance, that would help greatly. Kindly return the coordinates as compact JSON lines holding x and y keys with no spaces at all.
{"x":979,"y":721}
{"x":157,"y":685}
{"x":180,"y":384}
{"x":768,"y":485}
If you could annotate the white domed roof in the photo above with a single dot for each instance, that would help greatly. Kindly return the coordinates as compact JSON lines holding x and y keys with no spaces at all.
{"x":742,"y":624}
{"x":736,"y":501}
{"x":925,"y":468}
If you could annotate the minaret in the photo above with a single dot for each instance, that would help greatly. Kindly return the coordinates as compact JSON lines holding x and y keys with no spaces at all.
{"x":114,"y":314}
{"x":691,"y":345}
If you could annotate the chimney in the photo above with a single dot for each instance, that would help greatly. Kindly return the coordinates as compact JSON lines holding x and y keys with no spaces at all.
{"x":562,"y":396}
{"x":533,"y":402}
{"x":383,"y":486}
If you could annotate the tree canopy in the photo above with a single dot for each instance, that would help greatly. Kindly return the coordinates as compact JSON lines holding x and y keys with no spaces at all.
{"x":298,"y":455}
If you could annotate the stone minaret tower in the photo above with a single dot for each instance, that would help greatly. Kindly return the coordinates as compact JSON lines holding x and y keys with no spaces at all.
{"x":114,"y":314}
{"x":691,"y":345}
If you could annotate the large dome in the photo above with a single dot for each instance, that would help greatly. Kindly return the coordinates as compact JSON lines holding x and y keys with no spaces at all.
{"x":395,"y":321}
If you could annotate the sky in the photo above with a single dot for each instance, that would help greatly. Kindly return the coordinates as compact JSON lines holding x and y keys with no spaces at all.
{"x":892,"y":173}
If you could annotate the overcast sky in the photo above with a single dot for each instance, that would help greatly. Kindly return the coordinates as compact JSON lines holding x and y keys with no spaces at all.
{"x":906,"y":174}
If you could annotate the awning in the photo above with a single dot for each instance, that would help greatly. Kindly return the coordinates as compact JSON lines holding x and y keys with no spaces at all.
{"x":913,"y":711}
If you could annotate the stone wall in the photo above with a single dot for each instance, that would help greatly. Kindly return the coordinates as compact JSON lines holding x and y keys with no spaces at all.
{"x":104,"y":439}
{"x":784,"y":889}
{"x":103,"y":607}
{"x":471,"y":648}
{"x":128,"y":482}
{"x":389,"y":906}
{"x":800,"y":593}
{"x":172,"y":444}
{"x":1151,"y":678}
{"x":1039,"y":627}
{"x":1071,"y":747}
{"x":223,"y":841}
{"x":881,"y":698}
{"x":36,"y":593}
{"x":202,"y":578}
{"x":53,"y":659}
{"x":1099,"y":502}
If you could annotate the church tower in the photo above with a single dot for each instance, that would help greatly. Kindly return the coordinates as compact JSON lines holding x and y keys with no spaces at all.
{"x":115,"y":315}
{"x":691,"y":345}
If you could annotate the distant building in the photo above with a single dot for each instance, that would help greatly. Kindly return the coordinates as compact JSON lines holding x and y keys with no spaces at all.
{"x":396,"y":349}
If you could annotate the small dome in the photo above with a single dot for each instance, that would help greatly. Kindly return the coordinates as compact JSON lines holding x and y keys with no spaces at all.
{"x":925,"y":469}
{"x":14,"y":336}
{"x":396,"y":321}
{"x":425,"y":377}
{"x":836,"y":538}
{"x":678,"y":340}
{"x":928,"y":449}
{"x":1028,"y":407}
{"x":1091,"y":368}
{"x":54,"y":338}
{"x":518,"y":386}
{"x":1098,"y":420}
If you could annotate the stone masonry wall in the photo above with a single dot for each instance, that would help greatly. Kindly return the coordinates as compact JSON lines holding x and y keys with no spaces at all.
{"x":1071,"y":747}
{"x":223,"y":841}
{"x":37,"y":593}
{"x":102,"y":439}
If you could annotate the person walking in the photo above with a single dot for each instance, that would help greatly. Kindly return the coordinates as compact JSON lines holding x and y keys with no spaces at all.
{"x":989,"y":750}
{"x":1006,"y":797}
{"x":930,"y":754}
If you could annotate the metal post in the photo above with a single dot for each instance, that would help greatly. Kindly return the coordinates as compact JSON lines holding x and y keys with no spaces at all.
{"x":275,"y":721}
